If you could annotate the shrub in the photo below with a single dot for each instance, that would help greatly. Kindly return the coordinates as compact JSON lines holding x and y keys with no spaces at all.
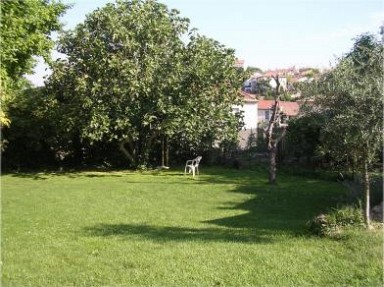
{"x":332,"y":223}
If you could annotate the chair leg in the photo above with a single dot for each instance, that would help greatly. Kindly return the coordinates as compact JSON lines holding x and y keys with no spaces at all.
{"x":193,"y":171}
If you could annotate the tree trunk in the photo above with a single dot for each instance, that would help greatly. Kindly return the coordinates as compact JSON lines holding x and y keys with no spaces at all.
{"x":166,"y":151}
{"x":126,"y":152}
{"x":272,"y":146}
{"x":367,"y":196}
{"x":163,"y":151}
{"x":141,"y":147}
{"x":145,"y":145}
{"x":271,"y":142}
{"x":272,"y":165}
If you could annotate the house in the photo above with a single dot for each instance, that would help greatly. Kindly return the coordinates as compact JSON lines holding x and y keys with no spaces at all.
{"x":256,"y":112}
{"x":250,"y":118}
{"x":252,"y":85}
{"x":239,"y":63}
{"x":258,"y":82}
{"x":290,"y":109}
{"x":284,"y":77}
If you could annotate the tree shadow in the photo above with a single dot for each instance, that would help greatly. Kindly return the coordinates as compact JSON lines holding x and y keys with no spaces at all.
{"x":167,"y":233}
{"x":266,"y":213}
{"x":44,"y":175}
{"x":280,"y":209}
{"x":271,"y":213}
{"x":32,"y":175}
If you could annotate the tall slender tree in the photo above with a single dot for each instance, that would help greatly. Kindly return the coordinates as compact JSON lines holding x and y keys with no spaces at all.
{"x":352,"y":99}
{"x":275,"y":132}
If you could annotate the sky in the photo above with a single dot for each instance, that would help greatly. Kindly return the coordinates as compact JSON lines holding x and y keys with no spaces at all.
{"x":268,"y":34}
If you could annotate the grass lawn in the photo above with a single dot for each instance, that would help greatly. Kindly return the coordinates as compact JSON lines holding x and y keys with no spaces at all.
{"x":224,"y":227}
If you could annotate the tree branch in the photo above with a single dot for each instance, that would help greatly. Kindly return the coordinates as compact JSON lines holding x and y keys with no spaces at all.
{"x":273,"y":119}
{"x":126,"y":152}
{"x":282,"y":135}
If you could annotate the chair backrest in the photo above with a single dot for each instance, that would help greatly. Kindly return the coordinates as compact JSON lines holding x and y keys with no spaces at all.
{"x":197,"y":160}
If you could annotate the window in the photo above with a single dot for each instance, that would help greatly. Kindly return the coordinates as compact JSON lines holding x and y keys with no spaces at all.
{"x":266,"y":113}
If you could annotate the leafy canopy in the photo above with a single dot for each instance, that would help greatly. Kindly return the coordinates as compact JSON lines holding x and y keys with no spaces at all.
{"x":352,"y":97}
{"x":25,"y":32}
{"x":129,"y":77}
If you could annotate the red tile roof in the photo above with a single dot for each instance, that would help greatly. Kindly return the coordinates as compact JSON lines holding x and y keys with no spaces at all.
{"x":290,"y":108}
{"x":280,"y":72}
{"x":248,"y":97}
{"x":239,"y":63}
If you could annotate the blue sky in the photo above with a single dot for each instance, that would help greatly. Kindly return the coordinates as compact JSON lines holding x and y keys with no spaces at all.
{"x":267,"y":33}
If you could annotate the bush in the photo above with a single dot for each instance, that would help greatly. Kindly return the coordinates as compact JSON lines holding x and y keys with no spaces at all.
{"x":346,"y":216}
{"x":332,"y":224}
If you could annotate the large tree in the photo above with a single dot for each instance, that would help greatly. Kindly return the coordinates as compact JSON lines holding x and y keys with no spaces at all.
{"x":352,"y":99}
{"x":26,"y":27}
{"x":129,"y":78}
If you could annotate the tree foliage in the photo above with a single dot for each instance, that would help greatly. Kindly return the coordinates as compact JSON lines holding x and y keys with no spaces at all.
{"x":25,"y":32}
{"x":352,"y":99}
{"x":304,"y":134}
{"x":129,"y":78}
{"x":32,"y":137}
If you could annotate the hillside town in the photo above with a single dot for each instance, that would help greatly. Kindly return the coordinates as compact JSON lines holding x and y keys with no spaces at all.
{"x":258,"y":96}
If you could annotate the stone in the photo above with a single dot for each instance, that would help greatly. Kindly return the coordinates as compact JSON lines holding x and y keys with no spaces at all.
{"x":377,"y":212}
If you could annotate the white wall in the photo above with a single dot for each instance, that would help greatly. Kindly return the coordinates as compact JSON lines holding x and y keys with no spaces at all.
{"x":283,"y":83}
{"x":250,"y":113}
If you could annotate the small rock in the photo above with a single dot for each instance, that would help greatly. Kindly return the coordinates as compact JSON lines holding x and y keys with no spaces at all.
{"x":377,"y":212}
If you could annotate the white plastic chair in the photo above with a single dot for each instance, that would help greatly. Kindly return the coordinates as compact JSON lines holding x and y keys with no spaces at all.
{"x":193,"y":165}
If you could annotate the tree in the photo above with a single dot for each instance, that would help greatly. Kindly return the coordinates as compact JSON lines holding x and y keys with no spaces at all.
{"x":264,"y":88}
{"x":32,"y":137}
{"x":25,"y":32}
{"x":304,"y":134}
{"x":130,"y":79}
{"x":352,"y":99}
{"x":275,"y":132}
{"x":253,"y":70}
{"x":210,"y":87}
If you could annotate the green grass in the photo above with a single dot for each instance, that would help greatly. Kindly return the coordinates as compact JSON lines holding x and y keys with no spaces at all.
{"x":224,"y":227}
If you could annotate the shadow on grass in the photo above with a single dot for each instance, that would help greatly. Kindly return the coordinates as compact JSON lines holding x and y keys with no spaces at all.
{"x":268,"y":213}
{"x":69,"y":174}
{"x":273,"y":213}
{"x":93,"y":173}
{"x":163,"y":234}
{"x":284,"y":208}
